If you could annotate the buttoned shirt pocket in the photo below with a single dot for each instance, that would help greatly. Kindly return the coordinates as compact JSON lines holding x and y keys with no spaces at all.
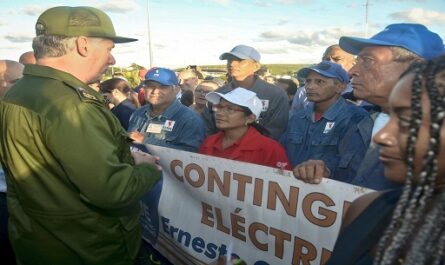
{"x":325,"y":140}
{"x":295,"y":139}
{"x":324,"y":147}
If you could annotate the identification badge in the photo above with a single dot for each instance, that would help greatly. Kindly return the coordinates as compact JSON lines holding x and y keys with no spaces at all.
{"x":329,"y":126}
{"x":154,"y":128}
{"x":168,"y":125}
{"x":265,"y":103}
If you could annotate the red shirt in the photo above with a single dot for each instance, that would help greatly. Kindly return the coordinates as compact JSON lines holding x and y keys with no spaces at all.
{"x":253,"y":147}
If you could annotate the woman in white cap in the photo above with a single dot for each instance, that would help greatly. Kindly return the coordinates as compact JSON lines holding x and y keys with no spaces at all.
{"x":240,"y":137}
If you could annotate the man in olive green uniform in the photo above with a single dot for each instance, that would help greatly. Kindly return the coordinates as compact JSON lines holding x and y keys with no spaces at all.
{"x":73,"y":185}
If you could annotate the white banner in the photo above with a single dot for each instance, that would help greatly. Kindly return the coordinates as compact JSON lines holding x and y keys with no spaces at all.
{"x":211,"y":206}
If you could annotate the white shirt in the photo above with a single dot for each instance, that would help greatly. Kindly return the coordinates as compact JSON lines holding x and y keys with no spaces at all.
{"x":381,"y":120}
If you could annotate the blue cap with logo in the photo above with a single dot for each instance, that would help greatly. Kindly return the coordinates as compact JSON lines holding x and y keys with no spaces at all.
{"x":242,"y":52}
{"x":413,"y":37}
{"x":326,"y":69}
{"x":164,"y":76}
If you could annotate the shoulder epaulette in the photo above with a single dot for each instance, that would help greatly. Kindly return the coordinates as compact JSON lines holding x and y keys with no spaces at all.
{"x":85,"y":94}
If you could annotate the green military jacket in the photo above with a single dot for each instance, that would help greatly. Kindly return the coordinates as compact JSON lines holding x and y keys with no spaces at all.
{"x":73,"y":188}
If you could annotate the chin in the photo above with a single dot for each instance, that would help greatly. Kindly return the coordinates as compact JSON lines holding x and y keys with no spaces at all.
{"x":396,"y":175}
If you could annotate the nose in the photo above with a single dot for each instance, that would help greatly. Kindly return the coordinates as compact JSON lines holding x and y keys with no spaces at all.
{"x":308,"y":85}
{"x":387,"y":136}
{"x":112,"y":61}
{"x":353,"y":71}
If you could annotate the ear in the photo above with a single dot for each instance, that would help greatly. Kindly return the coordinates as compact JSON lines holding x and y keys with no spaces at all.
{"x":250,"y":119}
{"x":82,"y":44}
{"x":339,"y":87}
{"x":177,"y":88}
{"x":257,"y":66}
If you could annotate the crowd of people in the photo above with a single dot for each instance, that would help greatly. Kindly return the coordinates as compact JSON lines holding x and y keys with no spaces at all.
{"x":370,"y":113}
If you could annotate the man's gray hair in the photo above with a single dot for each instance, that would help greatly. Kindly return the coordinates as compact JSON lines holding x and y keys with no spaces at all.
{"x":52,"y":46}
{"x":404,"y":55}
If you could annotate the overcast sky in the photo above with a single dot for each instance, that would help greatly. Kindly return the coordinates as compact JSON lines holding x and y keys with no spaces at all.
{"x":185,"y":32}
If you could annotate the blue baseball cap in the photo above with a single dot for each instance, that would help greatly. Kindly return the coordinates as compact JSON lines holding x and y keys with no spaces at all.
{"x":327,"y":69}
{"x":242,"y":52}
{"x":164,"y":76}
{"x":413,"y":37}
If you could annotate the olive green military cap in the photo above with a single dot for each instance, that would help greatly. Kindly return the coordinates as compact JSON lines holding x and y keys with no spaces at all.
{"x":77,"y":21}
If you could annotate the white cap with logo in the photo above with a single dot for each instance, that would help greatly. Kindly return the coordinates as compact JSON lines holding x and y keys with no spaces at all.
{"x":241,"y":97}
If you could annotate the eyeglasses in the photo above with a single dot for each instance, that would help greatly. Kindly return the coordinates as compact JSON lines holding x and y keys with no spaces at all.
{"x":201,"y":91}
{"x":226,"y":108}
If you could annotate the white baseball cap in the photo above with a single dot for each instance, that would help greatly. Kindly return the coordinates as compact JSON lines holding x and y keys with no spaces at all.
{"x":241,"y":97}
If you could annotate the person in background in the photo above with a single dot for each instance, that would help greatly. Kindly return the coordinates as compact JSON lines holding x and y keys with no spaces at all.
{"x":139,"y":88}
{"x":381,"y":60}
{"x":330,"y":132}
{"x":200,"y":95}
{"x":27,"y":58}
{"x":270,"y":79}
{"x":336,"y":54}
{"x":288,"y":85}
{"x":333,"y":54}
{"x":10,"y":73}
{"x":73,"y":185}
{"x":240,"y":136}
{"x":242,"y":63}
{"x":404,"y":225}
{"x":119,"y":93}
{"x":164,"y":121}
{"x":187,"y":98}
{"x":188,"y":81}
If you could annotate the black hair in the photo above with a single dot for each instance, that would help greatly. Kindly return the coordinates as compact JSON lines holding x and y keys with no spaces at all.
{"x":292,"y":86}
{"x":416,"y":233}
{"x":122,"y":85}
{"x":187,"y":98}
{"x":260,"y":128}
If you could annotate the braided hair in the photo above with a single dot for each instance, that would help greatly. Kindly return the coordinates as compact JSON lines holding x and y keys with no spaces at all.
{"x":417,"y":230}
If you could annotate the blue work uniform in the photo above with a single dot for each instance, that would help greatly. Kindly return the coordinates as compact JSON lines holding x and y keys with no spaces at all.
{"x":177,"y":127}
{"x":340,"y":138}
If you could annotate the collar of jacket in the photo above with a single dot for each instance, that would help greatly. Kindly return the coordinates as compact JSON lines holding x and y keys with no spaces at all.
{"x":168,"y":114}
{"x":82,"y":89}
{"x":330,"y":114}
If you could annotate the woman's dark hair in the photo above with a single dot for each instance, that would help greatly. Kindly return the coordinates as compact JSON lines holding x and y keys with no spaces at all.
{"x":187,"y":98}
{"x":260,"y":128}
{"x":416,"y":234}
{"x":123,"y":86}
{"x":292,"y":86}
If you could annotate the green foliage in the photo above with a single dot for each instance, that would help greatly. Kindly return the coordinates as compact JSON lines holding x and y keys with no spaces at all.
{"x":131,"y":73}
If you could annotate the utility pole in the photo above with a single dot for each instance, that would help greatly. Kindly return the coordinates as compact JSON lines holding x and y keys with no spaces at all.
{"x":150,"y":48}
{"x":366,"y":18}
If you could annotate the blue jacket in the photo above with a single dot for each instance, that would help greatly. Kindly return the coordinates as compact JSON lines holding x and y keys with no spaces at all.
{"x":182,"y":128}
{"x":340,"y":138}
{"x":123,"y":112}
{"x":370,"y":173}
